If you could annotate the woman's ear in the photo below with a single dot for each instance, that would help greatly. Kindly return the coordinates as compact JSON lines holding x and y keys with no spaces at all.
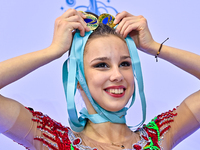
{"x":79,"y":86}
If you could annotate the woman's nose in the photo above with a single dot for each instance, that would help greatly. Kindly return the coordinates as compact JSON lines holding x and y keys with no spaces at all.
{"x":116,"y":75}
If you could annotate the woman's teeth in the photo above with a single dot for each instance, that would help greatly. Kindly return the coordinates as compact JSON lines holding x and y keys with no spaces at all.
{"x":116,"y":91}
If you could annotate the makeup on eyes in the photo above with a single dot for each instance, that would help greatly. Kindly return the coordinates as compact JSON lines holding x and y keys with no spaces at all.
{"x":104,"y":65}
{"x":101,"y":65}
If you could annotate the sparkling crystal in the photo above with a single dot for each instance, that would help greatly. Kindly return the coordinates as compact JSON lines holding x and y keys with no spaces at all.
{"x":76,"y":141}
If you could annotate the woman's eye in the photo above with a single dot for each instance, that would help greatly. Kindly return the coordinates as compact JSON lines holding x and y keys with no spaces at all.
{"x":101,"y":65}
{"x":125,"y":64}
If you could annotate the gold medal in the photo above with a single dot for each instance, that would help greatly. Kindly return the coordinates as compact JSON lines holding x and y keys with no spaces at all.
{"x":107,"y":19}
{"x":91,"y":21}
{"x":83,"y":12}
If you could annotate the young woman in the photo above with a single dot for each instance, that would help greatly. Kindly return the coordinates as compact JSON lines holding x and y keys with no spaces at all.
{"x":108,"y":72}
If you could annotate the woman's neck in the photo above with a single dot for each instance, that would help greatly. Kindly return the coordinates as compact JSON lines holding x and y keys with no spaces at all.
{"x":108,"y":132}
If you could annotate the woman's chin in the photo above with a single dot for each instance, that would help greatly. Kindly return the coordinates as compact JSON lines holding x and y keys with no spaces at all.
{"x":114,"y":109}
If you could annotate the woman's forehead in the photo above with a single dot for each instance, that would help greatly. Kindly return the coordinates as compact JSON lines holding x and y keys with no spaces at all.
{"x":106,"y":45}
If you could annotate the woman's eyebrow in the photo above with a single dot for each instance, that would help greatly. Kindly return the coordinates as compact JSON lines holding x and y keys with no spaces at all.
{"x":106,"y":58}
{"x":100,"y":58}
{"x":124,"y":57}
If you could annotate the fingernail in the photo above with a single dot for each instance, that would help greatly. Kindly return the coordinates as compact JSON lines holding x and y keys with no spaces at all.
{"x":116,"y":31}
{"x":84,"y":16}
{"x":82,"y":34}
{"x":115,"y":22}
{"x":87,"y":28}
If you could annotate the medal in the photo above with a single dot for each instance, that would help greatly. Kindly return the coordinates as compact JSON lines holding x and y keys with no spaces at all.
{"x":91,"y":21}
{"x":107,"y":19}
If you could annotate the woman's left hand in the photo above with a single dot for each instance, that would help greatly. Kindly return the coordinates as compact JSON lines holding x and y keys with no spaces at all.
{"x":137,"y":28}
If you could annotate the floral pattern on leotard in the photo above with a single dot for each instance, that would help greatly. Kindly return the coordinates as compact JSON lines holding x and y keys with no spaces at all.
{"x":55,"y":136}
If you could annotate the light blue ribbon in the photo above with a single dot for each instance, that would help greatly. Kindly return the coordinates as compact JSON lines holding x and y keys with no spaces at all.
{"x":76,"y":73}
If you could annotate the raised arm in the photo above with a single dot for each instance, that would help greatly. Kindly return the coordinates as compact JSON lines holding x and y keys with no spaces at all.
{"x":137,"y":28}
{"x":12,"y":113}
{"x":185,"y":60}
{"x":188,"y":119}
{"x":15,"y":68}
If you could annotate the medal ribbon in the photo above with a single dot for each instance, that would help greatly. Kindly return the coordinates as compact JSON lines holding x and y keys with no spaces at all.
{"x":76,"y":73}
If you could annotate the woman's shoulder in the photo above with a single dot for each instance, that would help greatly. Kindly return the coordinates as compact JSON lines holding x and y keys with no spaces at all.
{"x":54,"y":135}
{"x":152,"y":134}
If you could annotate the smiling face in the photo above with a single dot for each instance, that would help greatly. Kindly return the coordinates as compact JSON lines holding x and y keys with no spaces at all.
{"x":108,"y":72}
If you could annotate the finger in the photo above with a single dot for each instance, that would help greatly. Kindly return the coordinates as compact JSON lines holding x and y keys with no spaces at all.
{"x":127,"y":22}
{"x":131,"y":28}
{"x":70,"y":12}
{"x":80,"y":20}
{"x":69,"y":24}
{"x":84,"y":16}
{"x":79,"y":26}
{"x":121,"y":26}
{"x":74,"y":16}
{"x":81,"y":14}
{"x":124,"y":24}
{"x":76,"y":19}
{"x":136,"y":23}
{"x":120,"y":16}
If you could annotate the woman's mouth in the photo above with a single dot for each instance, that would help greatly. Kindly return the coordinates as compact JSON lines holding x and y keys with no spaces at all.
{"x":115,"y":91}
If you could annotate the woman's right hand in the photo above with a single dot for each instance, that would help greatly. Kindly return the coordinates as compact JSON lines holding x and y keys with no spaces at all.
{"x":16,"y":68}
{"x":64,"y":27}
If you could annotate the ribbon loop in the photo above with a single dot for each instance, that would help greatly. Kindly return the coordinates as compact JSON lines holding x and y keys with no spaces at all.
{"x":76,"y":73}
